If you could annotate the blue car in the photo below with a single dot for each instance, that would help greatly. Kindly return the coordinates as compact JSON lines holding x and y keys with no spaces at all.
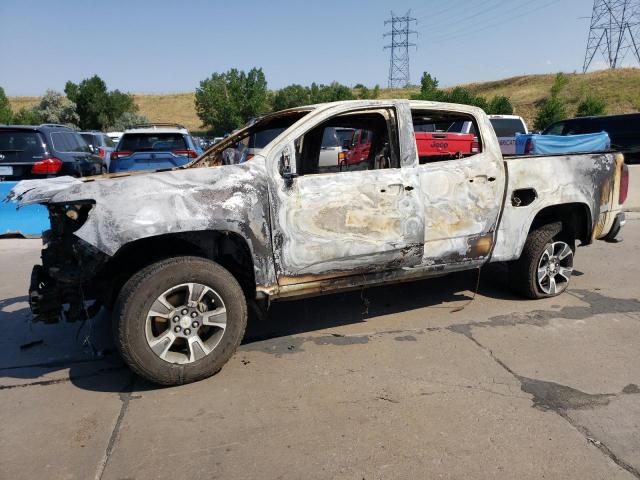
{"x":153,"y":147}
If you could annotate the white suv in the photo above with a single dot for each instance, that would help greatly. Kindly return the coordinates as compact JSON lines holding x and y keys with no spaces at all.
{"x":506,"y":128}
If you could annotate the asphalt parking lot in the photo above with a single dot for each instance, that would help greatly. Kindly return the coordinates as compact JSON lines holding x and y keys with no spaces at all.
{"x":393,"y":382}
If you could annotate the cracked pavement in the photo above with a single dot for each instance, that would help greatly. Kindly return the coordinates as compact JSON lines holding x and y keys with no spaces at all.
{"x":393,"y":382}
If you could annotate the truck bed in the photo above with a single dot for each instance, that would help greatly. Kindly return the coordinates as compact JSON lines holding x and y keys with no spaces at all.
{"x":536,"y":182}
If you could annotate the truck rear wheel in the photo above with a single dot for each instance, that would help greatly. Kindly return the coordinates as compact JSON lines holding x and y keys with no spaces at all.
{"x":179,"y":320}
{"x":544,"y":269}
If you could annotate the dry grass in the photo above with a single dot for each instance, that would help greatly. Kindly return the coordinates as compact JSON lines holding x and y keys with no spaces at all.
{"x":179,"y":108}
{"x":620,"y":88}
{"x":18,"y":102}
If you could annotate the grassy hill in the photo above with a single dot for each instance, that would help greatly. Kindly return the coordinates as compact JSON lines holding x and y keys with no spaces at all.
{"x":620,"y":88}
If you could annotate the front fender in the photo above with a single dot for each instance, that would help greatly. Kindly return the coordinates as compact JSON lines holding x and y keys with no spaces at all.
{"x":231,"y":198}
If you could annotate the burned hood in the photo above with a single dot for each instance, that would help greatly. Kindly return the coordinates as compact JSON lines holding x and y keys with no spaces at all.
{"x":231,"y":198}
{"x":28,"y":192}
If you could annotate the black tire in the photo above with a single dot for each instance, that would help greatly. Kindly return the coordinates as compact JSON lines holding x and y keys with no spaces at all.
{"x":523,"y":272}
{"x":140,"y":292}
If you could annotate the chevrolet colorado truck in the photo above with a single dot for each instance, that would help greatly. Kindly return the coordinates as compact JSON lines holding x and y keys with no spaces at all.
{"x":180,"y":255}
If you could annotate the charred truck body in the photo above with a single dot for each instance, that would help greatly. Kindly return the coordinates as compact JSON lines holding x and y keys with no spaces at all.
{"x":177,"y":255}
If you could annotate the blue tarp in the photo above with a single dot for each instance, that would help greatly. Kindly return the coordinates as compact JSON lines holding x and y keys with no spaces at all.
{"x":550,"y":144}
{"x":29,"y":221}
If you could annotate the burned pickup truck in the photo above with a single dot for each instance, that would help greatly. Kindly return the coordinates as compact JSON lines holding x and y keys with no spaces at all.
{"x":178,"y":255}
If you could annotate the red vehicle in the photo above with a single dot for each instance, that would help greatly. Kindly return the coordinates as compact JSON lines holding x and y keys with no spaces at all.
{"x":429,"y":144}
{"x":360,"y":147}
{"x":445,"y":144}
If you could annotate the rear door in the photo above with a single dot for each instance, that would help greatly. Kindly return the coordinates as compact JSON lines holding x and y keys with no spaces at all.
{"x":73,"y":150}
{"x":19,"y":151}
{"x":92,"y":141}
{"x":462,"y":197}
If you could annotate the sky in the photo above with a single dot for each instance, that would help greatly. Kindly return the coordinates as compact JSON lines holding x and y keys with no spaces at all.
{"x":169,"y":46}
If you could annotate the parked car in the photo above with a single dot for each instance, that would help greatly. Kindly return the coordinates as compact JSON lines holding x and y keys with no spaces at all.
{"x":332,"y":151}
{"x":178,"y":255}
{"x":360,"y":147}
{"x":345,"y":137}
{"x":258,"y":140}
{"x":445,"y":145}
{"x":101,"y":144}
{"x":114,"y":136}
{"x":153,"y":146}
{"x":506,"y":128}
{"x":623,"y":130}
{"x":201,"y":143}
{"x":47,"y":150}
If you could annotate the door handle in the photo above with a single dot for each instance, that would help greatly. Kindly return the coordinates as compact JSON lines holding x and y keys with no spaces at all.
{"x":482,"y":178}
{"x":396,"y":188}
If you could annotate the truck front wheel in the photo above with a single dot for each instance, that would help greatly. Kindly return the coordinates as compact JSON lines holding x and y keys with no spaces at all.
{"x":179,"y":320}
{"x":544,"y":269}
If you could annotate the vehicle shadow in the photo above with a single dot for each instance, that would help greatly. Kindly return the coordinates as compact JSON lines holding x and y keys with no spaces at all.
{"x":333,"y":310}
{"x":84,"y":353}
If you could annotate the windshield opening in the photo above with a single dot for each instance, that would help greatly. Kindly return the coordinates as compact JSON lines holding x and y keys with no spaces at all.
{"x":243,"y":144}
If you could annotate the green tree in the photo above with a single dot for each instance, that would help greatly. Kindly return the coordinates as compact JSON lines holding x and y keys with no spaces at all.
{"x":591,"y":105}
{"x":92,"y":102}
{"x":291,"y":96}
{"x":27,"y":116}
{"x":376,"y":91}
{"x":364,"y":93}
{"x":429,"y":88}
{"x":96,"y":106}
{"x":119,"y":104}
{"x":225,"y":101}
{"x":127,"y":119}
{"x":552,"y":108}
{"x":465,"y":97}
{"x":5,"y":108}
{"x":56,"y":108}
{"x":500,"y":105}
{"x":333,"y":92}
{"x":559,"y":84}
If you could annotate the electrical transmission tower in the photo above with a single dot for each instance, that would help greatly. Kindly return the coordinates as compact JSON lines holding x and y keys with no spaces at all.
{"x":614,"y":31}
{"x":399,"y":61}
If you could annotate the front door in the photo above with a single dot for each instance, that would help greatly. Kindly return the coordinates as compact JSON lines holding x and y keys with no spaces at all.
{"x":352,"y":218}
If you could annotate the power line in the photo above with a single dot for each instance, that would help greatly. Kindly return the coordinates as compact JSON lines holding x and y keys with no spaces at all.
{"x":399,"y":46}
{"x":614,"y":31}
{"x":448,"y":9}
{"x":472,"y":18}
{"x":467,"y":32}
